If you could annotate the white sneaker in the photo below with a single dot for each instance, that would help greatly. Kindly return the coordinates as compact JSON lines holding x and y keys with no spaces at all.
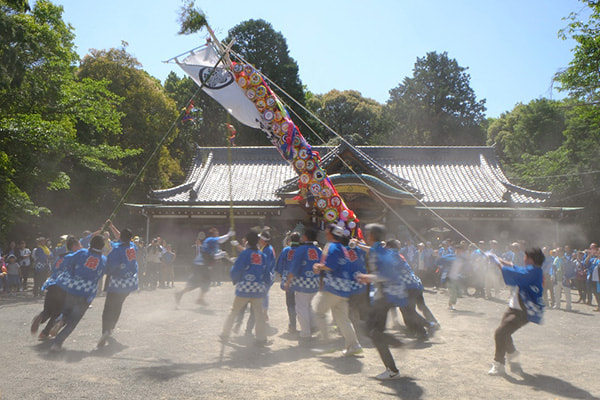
{"x":103,"y":339}
{"x":388,"y":375}
{"x":353,"y":350}
{"x":497,"y":369}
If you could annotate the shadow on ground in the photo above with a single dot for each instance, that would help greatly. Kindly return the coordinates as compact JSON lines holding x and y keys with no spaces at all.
{"x":112,"y":348}
{"x":237,"y":356}
{"x":405,"y":388}
{"x":553,"y":385}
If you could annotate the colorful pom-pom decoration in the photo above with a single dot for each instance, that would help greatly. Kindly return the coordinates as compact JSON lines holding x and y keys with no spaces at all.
{"x":315,"y":189}
{"x":330,"y":215}
{"x":268,"y":115}
{"x":335,"y":201}
{"x":255,"y":78}
{"x":303,"y":154}
{"x":319,"y":175}
{"x":326,"y":192}
{"x":344,"y":215}
{"x":304,"y":178}
{"x":260,"y":105}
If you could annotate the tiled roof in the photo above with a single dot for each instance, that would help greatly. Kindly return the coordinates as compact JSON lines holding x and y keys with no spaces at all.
{"x":442,"y":175}
{"x":257,"y":173}
{"x":466,"y":174}
{"x":331,"y":155}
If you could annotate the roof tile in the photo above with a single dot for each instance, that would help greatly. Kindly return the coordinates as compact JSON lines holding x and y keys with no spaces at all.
{"x":466,"y":175}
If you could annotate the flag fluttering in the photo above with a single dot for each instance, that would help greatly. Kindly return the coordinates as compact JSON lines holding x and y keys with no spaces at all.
{"x":243,"y":92}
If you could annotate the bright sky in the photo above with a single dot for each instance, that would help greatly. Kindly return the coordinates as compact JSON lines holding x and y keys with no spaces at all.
{"x":511,"y":47}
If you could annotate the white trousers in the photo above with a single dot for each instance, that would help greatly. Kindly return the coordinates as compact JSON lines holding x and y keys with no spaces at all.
{"x":304,"y":313}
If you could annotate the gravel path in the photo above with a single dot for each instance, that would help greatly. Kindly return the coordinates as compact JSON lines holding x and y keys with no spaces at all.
{"x":160,"y":352}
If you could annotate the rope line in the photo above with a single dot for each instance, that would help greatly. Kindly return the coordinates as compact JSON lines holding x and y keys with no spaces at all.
{"x":346,"y":164}
{"x":157,"y":148}
{"x":558,"y":176}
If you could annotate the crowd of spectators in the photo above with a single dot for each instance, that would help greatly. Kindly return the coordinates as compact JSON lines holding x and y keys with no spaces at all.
{"x":466,"y":265}
{"x":459,"y":266}
{"x":24,"y":268}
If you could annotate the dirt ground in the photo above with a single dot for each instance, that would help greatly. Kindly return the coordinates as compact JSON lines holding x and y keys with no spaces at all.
{"x":160,"y":352}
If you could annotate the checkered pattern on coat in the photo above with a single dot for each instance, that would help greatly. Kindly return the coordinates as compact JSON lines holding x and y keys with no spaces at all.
{"x":306,"y":284}
{"x":394,"y":290}
{"x":128,"y":284}
{"x":337,"y":283}
{"x":246,"y":287}
{"x":79,"y":287}
{"x":356,"y":287}
{"x":535,"y":312}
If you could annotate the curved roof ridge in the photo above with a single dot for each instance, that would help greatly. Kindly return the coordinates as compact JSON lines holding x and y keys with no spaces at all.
{"x":203,"y":172}
{"x":498,"y":174}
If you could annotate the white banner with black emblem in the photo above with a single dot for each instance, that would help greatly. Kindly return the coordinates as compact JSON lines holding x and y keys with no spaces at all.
{"x":221,"y":86}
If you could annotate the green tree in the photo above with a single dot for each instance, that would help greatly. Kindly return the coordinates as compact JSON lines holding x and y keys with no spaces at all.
{"x":259,"y":44}
{"x":266,"y":49}
{"x":529,"y":129}
{"x":581,"y":78}
{"x":42,"y":108}
{"x":571,"y":171}
{"x":147,"y":114}
{"x":436,"y":106}
{"x":348,"y":113}
{"x":207,"y":126}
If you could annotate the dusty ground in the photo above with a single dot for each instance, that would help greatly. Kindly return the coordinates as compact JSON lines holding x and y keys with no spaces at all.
{"x":159,"y":352}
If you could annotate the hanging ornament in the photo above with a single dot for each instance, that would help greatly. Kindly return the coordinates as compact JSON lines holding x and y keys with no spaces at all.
{"x":315,"y":189}
{"x":299,"y":164}
{"x":255,"y":78}
{"x":330,"y":215}
{"x":335,"y":201}
{"x":304,"y":178}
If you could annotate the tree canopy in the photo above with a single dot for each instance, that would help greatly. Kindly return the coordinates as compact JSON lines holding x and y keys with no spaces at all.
{"x":73,"y":132}
{"x":436,"y":106}
{"x":147,"y":113}
{"x":535,"y":129}
{"x":43,"y":106}
{"x":347,"y":113}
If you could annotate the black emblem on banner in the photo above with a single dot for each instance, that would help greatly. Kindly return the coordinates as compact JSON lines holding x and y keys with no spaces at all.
{"x":218,"y":80}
